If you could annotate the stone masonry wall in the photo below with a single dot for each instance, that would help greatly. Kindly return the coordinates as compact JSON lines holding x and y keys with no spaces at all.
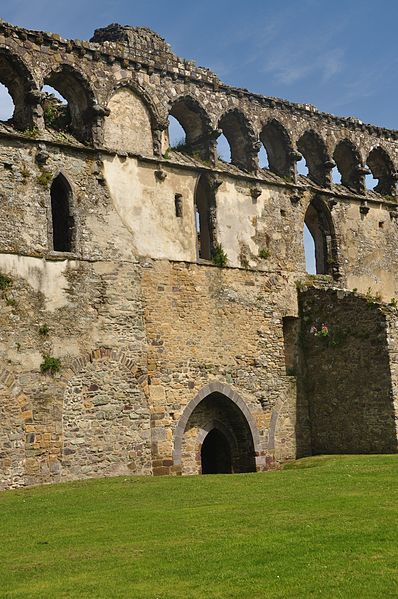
{"x":346,"y":370}
{"x":144,"y":328}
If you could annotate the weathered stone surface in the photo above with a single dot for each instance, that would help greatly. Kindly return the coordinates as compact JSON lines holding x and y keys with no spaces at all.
{"x":103,"y":267}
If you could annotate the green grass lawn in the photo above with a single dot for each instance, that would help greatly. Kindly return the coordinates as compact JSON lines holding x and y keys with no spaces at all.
{"x":323,"y":527}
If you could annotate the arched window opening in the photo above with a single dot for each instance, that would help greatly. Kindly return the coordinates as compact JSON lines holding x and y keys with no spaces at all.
{"x":63,"y":225}
{"x":6,"y":104}
{"x":370,"y":182}
{"x":204,"y":219}
{"x":16,"y":82}
{"x":309,"y":251}
{"x":263,"y":161}
{"x":302,"y":168}
{"x":223,"y":149}
{"x":381,"y":179}
{"x":216,"y":454}
{"x":277,"y":144}
{"x":336,"y":176}
{"x":313,"y":148}
{"x":177,"y":137}
{"x":189,"y":129}
{"x":56,"y":112}
{"x":348,"y":163}
{"x":70,"y":86}
{"x":238,"y":134}
{"x":319,"y":239}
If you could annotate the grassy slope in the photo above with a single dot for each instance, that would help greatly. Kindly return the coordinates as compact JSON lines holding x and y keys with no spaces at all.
{"x":330,"y":530}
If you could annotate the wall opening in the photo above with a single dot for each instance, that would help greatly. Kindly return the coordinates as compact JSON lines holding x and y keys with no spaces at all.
{"x":319,"y":239}
{"x":277,"y":144}
{"x":7,"y":106}
{"x":370,"y":182}
{"x":216,"y":454}
{"x":263,"y":161}
{"x":68,"y":86}
{"x":223,"y":149}
{"x":189,"y":128}
{"x":336,"y":175}
{"x":56,"y":111}
{"x":348,"y":163}
{"x":382,"y":173}
{"x":309,"y":251}
{"x":302,"y":167}
{"x":236,"y":129}
{"x":16,"y":83}
{"x":313,"y":148}
{"x":177,"y":136}
{"x":205,"y":219}
{"x":217,"y":438}
{"x":63,"y":226}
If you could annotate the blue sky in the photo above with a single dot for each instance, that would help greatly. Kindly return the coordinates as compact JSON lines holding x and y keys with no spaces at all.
{"x":339,"y":55}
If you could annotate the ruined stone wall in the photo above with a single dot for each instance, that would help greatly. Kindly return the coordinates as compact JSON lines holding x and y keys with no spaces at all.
{"x":146,"y":329}
{"x":347,"y":385}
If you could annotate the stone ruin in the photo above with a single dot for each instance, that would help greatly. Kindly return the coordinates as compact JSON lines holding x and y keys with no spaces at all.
{"x":156,"y":313}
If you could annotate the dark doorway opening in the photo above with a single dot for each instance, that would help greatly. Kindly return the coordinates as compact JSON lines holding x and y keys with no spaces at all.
{"x":216,"y":454}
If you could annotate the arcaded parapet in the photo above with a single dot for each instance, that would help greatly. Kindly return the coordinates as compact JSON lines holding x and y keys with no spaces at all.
{"x":110,"y":142}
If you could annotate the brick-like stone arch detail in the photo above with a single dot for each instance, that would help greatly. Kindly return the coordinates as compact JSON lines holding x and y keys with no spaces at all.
{"x":7,"y":378}
{"x":272,"y":425}
{"x":106,"y":417}
{"x":98,"y":354}
{"x":227,"y":391}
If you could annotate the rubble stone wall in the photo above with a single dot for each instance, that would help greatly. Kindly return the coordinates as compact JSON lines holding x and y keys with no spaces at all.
{"x":142,"y":327}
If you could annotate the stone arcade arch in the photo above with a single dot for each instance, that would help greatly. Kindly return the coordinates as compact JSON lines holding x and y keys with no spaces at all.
{"x":74,"y":87}
{"x":276,"y":141}
{"x":312,"y":147}
{"x":348,"y":161}
{"x":216,"y":434}
{"x":196,"y":124}
{"x":18,"y":80}
{"x":382,"y":168}
{"x":240,"y":136}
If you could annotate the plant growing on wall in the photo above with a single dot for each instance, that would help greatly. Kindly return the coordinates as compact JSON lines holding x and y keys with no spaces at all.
{"x":322,"y":331}
{"x":50,"y":365}
{"x":264,"y":253}
{"x":5,"y":281}
{"x":220,"y":258}
{"x":44,"y":178}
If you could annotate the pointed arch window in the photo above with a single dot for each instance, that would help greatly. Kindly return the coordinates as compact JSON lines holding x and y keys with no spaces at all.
{"x":204,"y":219}
{"x":62,"y":218}
{"x":321,"y":255}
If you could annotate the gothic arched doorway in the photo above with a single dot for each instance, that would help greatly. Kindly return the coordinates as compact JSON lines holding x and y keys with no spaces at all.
{"x":216,"y":434}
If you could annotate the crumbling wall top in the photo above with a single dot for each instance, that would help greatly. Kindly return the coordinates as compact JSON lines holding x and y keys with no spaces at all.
{"x":134,"y":37}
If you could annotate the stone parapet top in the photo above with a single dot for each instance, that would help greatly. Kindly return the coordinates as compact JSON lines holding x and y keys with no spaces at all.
{"x":139,"y":48}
